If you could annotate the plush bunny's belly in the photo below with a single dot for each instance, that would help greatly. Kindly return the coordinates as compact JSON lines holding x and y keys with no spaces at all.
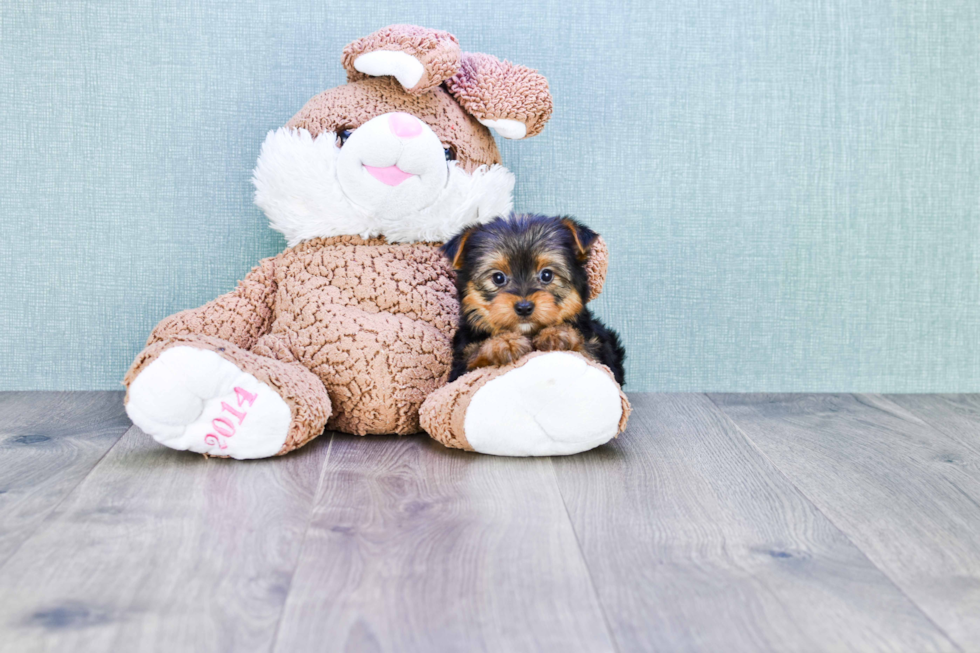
{"x":373,"y":321}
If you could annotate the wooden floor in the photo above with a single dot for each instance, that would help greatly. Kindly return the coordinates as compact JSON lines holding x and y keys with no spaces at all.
{"x":715,"y":523}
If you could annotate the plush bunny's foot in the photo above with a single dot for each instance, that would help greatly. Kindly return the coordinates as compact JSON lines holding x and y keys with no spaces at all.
{"x":553,"y":405}
{"x":193,"y":399}
{"x":202,"y":394}
{"x":546,"y":404}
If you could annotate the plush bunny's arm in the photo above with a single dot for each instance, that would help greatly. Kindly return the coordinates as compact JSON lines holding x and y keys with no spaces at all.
{"x":419,"y":58}
{"x":240,"y":317}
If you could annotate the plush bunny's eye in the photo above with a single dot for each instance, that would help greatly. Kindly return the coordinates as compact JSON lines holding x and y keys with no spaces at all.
{"x":343,"y":135}
{"x":450,"y":153}
{"x":498,"y":278}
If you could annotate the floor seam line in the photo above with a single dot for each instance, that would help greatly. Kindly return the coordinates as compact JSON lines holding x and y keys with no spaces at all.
{"x":833,"y":523}
{"x":302,"y":546}
{"x":60,"y":501}
{"x":928,"y":422}
{"x":585,"y":561}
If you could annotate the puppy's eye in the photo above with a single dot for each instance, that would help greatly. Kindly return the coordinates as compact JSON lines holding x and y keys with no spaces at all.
{"x":546,"y":276}
{"x":343,"y":135}
{"x":450,"y":153}
{"x":498,"y":278}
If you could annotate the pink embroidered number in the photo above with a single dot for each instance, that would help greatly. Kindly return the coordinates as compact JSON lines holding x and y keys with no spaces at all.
{"x":213,"y":439}
{"x":223,"y":425}
{"x":227,"y":431}
{"x":237,"y":413}
{"x":243,"y":396}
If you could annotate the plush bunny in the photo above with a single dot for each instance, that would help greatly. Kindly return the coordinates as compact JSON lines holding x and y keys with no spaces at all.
{"x":350,"y":327}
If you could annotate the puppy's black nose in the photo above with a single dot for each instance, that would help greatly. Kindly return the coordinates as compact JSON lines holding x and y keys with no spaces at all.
{"x":524,"y":308}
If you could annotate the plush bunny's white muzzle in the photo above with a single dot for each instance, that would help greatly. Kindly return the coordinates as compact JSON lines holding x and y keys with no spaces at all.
{"x":393,"y":164}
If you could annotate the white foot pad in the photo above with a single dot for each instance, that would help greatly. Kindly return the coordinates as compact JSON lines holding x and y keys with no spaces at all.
{"x":193,"y":399}
{"x":553,"y":405}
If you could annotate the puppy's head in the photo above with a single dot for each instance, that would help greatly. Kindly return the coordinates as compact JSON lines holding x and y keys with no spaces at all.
{"x":521,"y":273}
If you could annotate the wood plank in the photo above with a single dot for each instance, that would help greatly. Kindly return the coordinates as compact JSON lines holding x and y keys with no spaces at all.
{"x":696,"y":542}
{"x":160,"y":550}
{"x":49,"y":441}
{"x":955,"y":415}
{"x":414,"y":547}
{"x":906,"y":494}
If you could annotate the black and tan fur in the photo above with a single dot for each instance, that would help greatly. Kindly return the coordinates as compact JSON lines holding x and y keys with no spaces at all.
{"x":522,"y":287}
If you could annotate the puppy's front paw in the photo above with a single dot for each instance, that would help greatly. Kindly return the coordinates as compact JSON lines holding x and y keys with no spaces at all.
{"x":500,"y":350}
{"x":559,"y":338}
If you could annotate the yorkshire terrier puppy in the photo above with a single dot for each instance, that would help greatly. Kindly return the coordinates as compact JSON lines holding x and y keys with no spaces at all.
{"x":523,"y":287}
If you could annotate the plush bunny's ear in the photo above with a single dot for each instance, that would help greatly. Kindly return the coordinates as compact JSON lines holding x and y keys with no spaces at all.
{"x":596,"y":266}
{"x":418,"y":58}
{"x":512,"y":100}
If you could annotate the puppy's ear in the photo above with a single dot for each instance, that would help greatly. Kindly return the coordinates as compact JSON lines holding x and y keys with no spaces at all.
{"x":455,"y":249}
{"x":582,"y":237}
{"x":512,"y":100}
{"x":419,"y":58}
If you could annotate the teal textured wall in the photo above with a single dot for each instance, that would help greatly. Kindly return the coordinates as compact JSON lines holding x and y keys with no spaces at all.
{"x":790,"y":189}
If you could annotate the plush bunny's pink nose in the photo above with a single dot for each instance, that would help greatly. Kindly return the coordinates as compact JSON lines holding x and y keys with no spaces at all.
{"x":404,"y":125}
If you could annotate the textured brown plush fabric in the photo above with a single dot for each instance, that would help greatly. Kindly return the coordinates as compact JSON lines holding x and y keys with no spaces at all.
{"x":443,"y":415}
{"x":493,"y":89}
{"x":596,"y":267}
{"x":438,"y":52}
{"x":351,"y":105}
{"x":373,"y":321}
